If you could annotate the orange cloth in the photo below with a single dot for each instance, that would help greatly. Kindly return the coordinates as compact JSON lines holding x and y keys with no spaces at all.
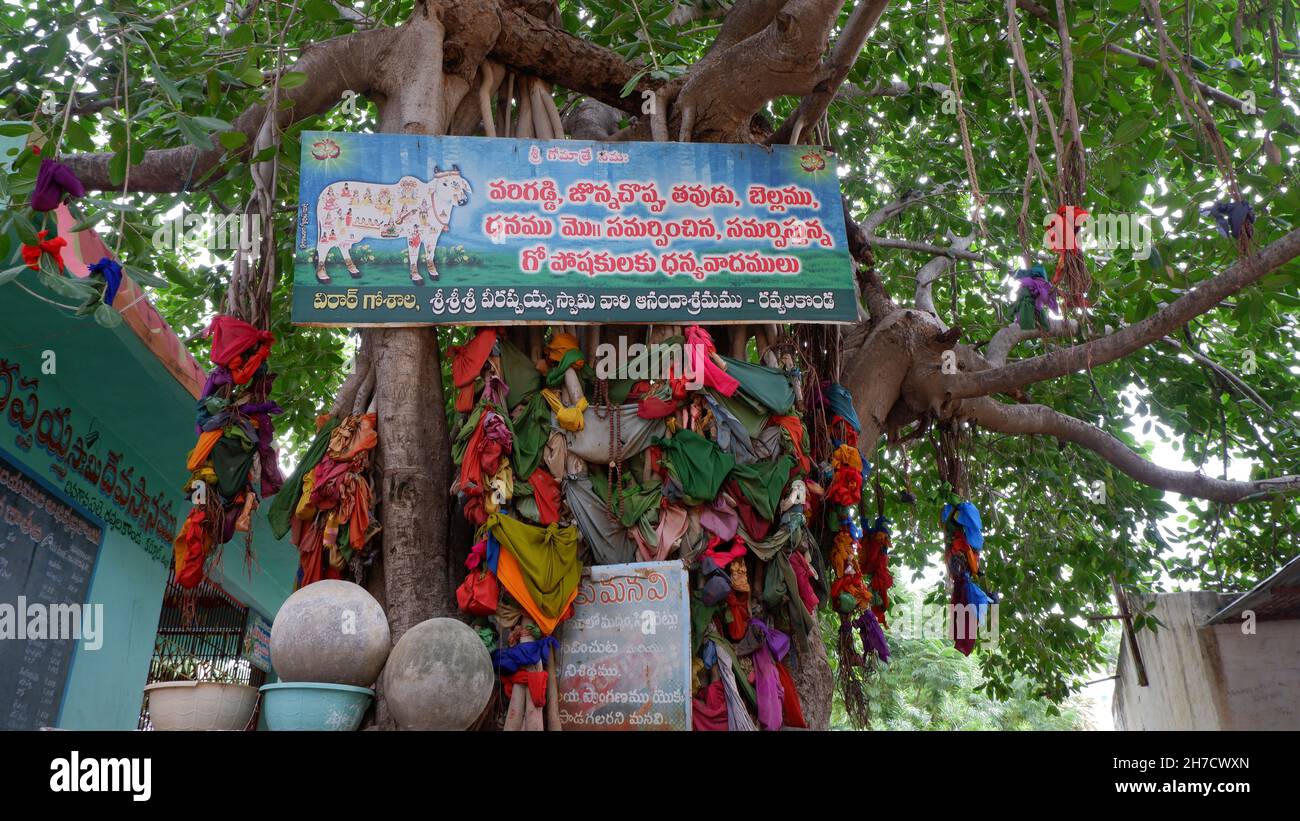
{"x":794,"y":426}
{"x":203,"y":449}
{"x":512,"y":579}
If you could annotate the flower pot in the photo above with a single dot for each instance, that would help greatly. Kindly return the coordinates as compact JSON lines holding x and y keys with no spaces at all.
{"x":305,"y":705}
{"x":200,"y":705}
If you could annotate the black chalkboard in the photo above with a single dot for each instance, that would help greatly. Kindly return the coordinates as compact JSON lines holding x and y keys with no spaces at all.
{"x":48,"y":550}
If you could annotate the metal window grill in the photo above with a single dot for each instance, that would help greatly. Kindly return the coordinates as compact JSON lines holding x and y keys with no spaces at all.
{"x":200,"y":637}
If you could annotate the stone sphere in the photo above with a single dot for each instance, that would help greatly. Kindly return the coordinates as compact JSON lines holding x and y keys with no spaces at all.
{"x":438,"y":677}
{"x":330,"y":632}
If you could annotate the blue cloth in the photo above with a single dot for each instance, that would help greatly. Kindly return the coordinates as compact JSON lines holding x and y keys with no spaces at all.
{"x":968,"y":516}
{"x":841,"y":404}
{"x":493,"y":552}
{"x":709,"y":655}
{"x":978,"y":597}
{"x":112,"y":274}
{"x":508,"y":660}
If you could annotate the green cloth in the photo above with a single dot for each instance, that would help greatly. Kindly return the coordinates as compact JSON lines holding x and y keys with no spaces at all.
{"x":638,"y":500}
{"x":763,"y":484}
{"x":519,"y":372}
{"x":280,"y":514}
{"x":531,"y":429}
{"x":771,"y":387}
{"x":781,"y":585}
{"x":555,"y":376}
{"x":697,"y":464}
{"x":232,"y":459}
{"x":548,"y":559}
{"x":751,"y":414}
{"x":461,"y":441}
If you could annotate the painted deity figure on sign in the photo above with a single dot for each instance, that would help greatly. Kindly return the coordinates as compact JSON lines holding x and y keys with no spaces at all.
{"x":436,"y":199}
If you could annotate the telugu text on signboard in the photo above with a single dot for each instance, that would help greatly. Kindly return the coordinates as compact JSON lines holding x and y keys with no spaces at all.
{"x":625,"y":656}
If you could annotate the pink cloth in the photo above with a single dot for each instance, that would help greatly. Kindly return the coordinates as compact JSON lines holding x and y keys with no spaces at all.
{"x":722,"y":558}
{"x":673,"y":521}
{"x":720,"y":519}
{"x":699,"y":346}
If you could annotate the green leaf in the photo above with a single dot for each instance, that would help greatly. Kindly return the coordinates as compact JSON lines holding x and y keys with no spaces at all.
{"x":251,"y":76}
{"x":292,"y":79}
{"x":213,"y":123}
{"x":141,"y":277}
{"x":232,"y":140}
{"x":23,"y":227}
{"x":165,"y":83}
{"x":15,"y":129}
{"x":193,"y":133}
{"x":12,"y":273}
{"x":1129,"y":130}
{"x":90,"y":221}
{"x":107,"y":316}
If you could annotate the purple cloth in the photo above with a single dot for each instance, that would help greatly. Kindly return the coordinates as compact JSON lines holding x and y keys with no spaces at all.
{"x":873,"y":638}
{"x":112,"y":274}
{"x":495,"y":391}
{"x":767,"y":645}
{"x":217,"y":377}
{"x":496,"y":429}
{"x":1044,"y":295}
{"x":53,"y":181}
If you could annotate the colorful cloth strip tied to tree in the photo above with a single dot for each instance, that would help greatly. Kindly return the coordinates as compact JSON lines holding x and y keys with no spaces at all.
{"x":558,"y":469}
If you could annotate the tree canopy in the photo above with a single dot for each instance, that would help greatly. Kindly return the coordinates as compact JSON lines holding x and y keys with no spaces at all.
{"x":959,"y":128}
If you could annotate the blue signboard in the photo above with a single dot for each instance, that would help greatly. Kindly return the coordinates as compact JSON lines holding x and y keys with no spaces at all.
{"x":401,"y":229}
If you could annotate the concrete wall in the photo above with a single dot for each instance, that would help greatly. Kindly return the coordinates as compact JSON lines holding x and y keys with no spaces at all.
{"x":1209,"y":678}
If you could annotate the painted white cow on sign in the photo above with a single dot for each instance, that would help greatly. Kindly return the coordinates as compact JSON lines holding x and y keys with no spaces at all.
{"x":417,"y":212}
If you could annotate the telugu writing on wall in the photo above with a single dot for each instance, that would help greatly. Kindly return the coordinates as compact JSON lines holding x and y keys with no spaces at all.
{"x":409,"y":229}
{"x":624,"y":660}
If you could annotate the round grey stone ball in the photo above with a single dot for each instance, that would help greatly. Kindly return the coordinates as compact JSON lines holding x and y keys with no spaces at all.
{"x":438,"y":677}
{"x":330,"y":632}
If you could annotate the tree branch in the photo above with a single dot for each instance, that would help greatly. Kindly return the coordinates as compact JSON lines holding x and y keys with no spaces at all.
{"x":332,"y":66}
{"x":862,"y":20}
{"x":1130,"y":338}
{"x":1040,"y":419}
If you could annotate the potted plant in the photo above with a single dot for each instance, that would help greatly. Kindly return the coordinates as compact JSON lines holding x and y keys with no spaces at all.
{"x":203,"y":698}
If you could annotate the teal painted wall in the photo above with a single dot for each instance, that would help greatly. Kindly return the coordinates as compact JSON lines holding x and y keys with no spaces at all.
{"x":105,"y":686}
{"x":110,"y":383}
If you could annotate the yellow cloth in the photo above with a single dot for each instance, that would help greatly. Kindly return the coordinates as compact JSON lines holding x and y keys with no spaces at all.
{"x":846,"y":456}
{"x":547,"y":564}
{"x":568,"y":418}
{"x":559,"y":345}
{"x":501,"y":488}
{"x":306,"y":510}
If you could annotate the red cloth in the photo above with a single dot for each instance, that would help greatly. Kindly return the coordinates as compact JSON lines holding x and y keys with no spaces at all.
{"x":472,"y":467}
{"x":846,"y":487}
{"x":536,"y":681}
{"x":803,"y":575}
{"x":467,"y":363}
{"x":738,"y":606}
{"x":232,"y":337}
{"x":755,"y":525}
{"x":53,"y":247}
{"x":546,"y":493}
{"x":652,"y":407}
{"x":243,"y":368}
{"x":710,"y":710}
{"x":791,"y":709}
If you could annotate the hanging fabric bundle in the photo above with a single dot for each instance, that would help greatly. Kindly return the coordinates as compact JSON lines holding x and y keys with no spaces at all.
{"x":970,"y":603}
{"x":233,"y":463}
{"x":1036,"y":295}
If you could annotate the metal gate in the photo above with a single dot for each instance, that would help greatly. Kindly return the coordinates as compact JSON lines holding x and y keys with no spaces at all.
{"x":200,"y":637}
